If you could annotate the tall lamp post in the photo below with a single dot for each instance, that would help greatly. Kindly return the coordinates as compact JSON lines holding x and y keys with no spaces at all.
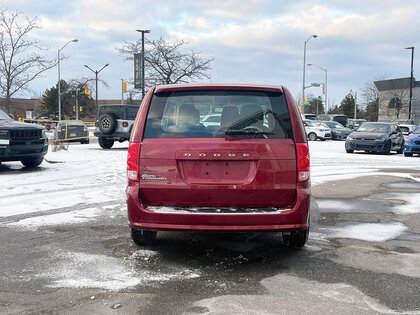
{"x":142,"y":59}
{"x":59,"y":79}
{"x":96,"y":82}
{"x":411,"y":82}
{"x":326,"y":84}
{"x":304,"y":65}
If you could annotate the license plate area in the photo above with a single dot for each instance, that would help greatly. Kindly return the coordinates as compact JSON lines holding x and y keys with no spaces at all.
{"x":216,"y":172}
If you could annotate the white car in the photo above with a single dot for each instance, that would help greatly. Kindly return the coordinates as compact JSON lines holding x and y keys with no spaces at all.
{"x":406,"y":129}
{"x":315,"y":130}
{"x":211,"y":120}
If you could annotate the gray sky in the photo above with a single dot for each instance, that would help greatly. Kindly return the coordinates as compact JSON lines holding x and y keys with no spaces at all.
{"x":254,"y":41}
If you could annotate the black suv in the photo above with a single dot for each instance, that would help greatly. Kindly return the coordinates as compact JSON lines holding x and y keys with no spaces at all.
{"x":114,"y":122}
{"x":21,"y":141}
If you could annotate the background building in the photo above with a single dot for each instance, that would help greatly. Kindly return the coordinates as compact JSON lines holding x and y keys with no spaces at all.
{"x":394,"y":96}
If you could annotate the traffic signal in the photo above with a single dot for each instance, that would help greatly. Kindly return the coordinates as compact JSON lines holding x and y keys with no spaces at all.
{"x":304,"y":100}
{"x":90,"y":93}
{"x":74,"y":108}
{"x":81,"y":108}
{"x":86,"y":89}
{"x":124,"y":87}
{"x":300,"y":108}
{"x":349,"y":95}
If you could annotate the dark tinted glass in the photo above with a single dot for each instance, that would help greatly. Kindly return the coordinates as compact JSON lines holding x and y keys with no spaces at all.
{"x":132,"y":112}
{"x":117,"y":111}
{"x":243,"y":114}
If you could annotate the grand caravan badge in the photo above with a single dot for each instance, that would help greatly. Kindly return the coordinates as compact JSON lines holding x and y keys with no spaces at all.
{"x":152,"y":177}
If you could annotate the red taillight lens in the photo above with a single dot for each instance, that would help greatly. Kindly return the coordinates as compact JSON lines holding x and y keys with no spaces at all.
{"x":58,"y":128}
{"x":133,"y":161}
{"x":96,"y":124}
{"x":85,"y":128}
{"x":125,"y":124}
{"x":303,"y":161}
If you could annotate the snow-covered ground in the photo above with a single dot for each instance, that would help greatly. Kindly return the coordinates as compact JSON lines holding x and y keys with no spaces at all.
{"x":86,"y":175}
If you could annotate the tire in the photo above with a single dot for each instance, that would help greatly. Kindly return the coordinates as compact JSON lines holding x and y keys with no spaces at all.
{"x":408,"y":154}
{"x":297,"y":238}
{"x":349,"y":151}
{"x":401,"y":150}
{"x":106,"y":143}
{"x":312,"y":136}
{"x":84,"y":141}
{"x":143,"y":237}
{"x":32,"y":162}
{"x":107,"y":124}
{"x":387,"y":150}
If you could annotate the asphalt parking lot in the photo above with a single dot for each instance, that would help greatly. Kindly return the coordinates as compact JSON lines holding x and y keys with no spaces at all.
{"x":66,"y":247}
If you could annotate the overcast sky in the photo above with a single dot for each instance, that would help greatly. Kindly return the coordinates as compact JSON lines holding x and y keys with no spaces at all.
{"x":252,"y":41}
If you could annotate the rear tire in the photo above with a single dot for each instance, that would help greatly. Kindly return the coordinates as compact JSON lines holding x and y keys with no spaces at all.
{"x":107,"y":124}
{"x":312,"y":136}
{"x":143,"y":237}
{"x":349,"y":151}
{"x":297,"y":238}
{"x":32,"y":162}
{"x":408,"y":154}
{"x":401,"y":150}
{"x":106,"y":143}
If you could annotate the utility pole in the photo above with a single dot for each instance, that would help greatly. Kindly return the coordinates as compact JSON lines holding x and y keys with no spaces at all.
{"x":142,"y":59}
{"x":96,"y":81}
{"x":304,"y":66}
{"x":411,"y":82}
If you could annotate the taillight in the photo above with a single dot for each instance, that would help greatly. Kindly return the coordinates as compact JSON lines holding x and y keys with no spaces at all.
{"x":58,"y":128}
{"x":96,"y":124}
{"x":85,"y":128}
{"x":125,"y":123}
{"x":303,"y":162}
{"x":133,"y":160}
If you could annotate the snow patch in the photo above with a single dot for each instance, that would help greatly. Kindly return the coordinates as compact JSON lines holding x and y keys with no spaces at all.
{"x":373,"y":232}
{"x":65,"y":218}
{"x":144,"y":254}
{"x":334,"y":205}
{"x":412,"y":204}
{"x":81,"y":270}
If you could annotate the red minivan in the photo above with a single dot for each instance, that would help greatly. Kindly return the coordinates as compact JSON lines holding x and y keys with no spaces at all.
{"x":250,"y":172}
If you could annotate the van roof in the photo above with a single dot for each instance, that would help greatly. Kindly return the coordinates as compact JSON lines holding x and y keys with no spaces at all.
{"x":218,"y":86}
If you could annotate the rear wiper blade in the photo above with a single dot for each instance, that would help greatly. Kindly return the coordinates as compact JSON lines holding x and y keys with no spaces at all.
{"x":247,"y":132}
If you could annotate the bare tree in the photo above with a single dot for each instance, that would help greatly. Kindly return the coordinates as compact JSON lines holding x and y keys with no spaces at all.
{"x":166,"y":62}
{"x":20,"y":60}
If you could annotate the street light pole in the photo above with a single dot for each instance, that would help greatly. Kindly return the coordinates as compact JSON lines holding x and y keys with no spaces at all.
{"x":96,"y":82}
{"x":411,"y":82}
{"x":304,"y":65}
{"x":142,"y":60}
{"x":59,"y":79}
{"x":326,"y":84}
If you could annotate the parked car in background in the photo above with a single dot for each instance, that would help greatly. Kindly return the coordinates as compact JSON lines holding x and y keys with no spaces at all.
{"x":338,"y":131}
{"x":211,"y":120}
{"x":355,"y":123}
{"x":310,"y":117}
{"x":22,"y":142}
{"x":315,"y":130}
{"x":406,"y":121}
{"x":72,"y":131}
{"x":376,"y":137}
{"x":251,"y":173}
{"x":342,"y":119}
{"x":114,"y":123}
{"x":407,"y":129}
{"x":412,"y":143}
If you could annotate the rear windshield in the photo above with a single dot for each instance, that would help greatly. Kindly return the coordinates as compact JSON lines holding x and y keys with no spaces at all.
{"x":117,"y":111}
{"x":218,"y":114}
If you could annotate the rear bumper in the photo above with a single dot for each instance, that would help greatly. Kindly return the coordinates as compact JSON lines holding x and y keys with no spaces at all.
{"x":294,"y":219}
{"x":115,"y":135}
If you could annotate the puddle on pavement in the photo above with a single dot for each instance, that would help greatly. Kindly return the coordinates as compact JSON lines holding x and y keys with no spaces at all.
{"x":403,"y":185}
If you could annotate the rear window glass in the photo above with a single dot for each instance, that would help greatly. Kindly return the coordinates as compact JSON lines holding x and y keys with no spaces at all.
{"x":132,"y":112}
{"x":218,"y":114}
{"x":117,"y":111}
